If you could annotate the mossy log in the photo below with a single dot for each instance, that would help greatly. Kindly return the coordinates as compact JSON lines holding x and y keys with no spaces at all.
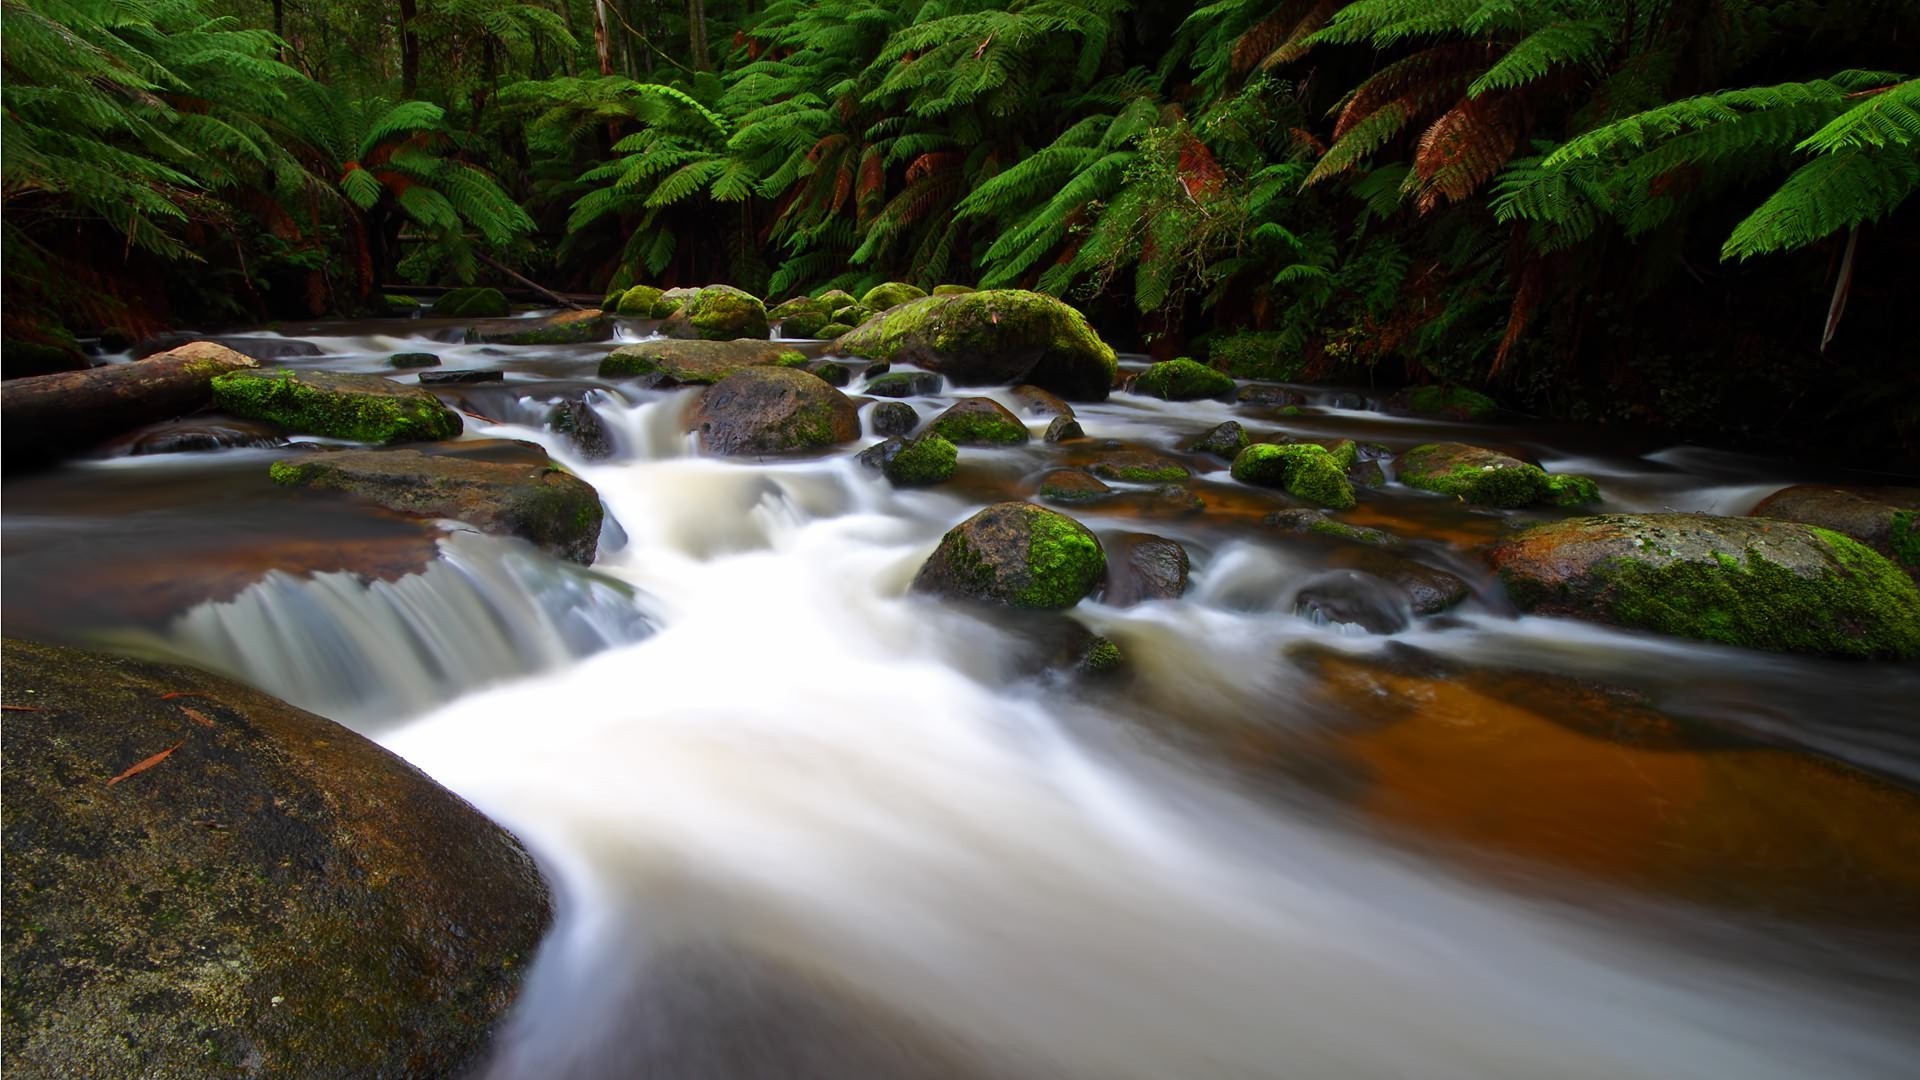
{"x":46,"y":417}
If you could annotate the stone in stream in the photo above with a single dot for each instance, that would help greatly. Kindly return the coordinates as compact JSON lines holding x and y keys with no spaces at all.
{"x":1269,"y":394}
{"x":1305,"y":470}
{"x":995,"y":337}
{"x":919,"y":462}
{"x":1354,"y":598}
{"x":566,"y":328}
{"x":1072,"y":486}
{"x":1753,"y":582}
{"x":257,"y":346}
{"x":833,"y":374}
{"x":979,"y":421}
{"x":582,"y":426}
{"x":695,"y":363}
{"x":1485,"y":477}
{"x":470,"y":303}
{"x":1016,"y":554}
{"x":893,"y":418}
{"x":643,"y":302}
{"x":1318,"y":523}
{"x":1430,"y":590}
{"x":1037,"y":402}
{"x":1139,"y":467}
{"x":673,"y":300}
{"x":801,"y":317}
{"x":900,"y":384}
{"x":1224,"y":441}
{"x":43,"y":417}
{"x":719,"y":313}
{"x":1184,"y":379}
{"x":1063,"y":428}
{"x":414,"y":360}
{"x":1142,"y":566}
{"x":202,"y":880}
{"x":833,"y":330}
{"x":1442,"y":402}
{"x":1886,"y":519}
{"x":203,"y":433}
{"x":891,"y":294}
{"x":496,"y":486}
{"x":771,"y":410}
{"x":364,"y":408}
{"x":459,"y":377}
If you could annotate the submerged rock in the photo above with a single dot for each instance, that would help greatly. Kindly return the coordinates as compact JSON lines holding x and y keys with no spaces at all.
{"x":978,"y":421}
{"x":1886,"y":519}
{"x":772,"y":410}
{"x":364,"y":408}
{"x":1139,"y":467}
{"x":1142,"y":566}
{"x":1753,"y":582}
{"x":1072,"y":486}
{"x":1182,"y":380}
{"x":270,"y":895}
{"x":460,"y":377}
{"x":522,"y":495}
{"x":1000,"y":336}
{"x":1224,"y":441}
{"x":695,"y":363}
{"x":1305,"y":469}
{"x":1354,"y":598}
{"x":1015,"y":554}
{"x":919,"y":462}
{"x":203,"y":433}
{"x":719,"y":313}
{"x":900,"y":384}
{"x":414,"y":360}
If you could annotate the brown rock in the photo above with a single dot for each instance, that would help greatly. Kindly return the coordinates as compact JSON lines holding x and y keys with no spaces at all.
{"x":771,"y":410}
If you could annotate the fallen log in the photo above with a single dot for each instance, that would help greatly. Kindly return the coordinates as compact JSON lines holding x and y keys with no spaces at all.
{"x":46,"y":417}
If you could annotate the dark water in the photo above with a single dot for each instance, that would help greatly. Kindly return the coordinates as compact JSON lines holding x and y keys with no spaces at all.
{"x":806,"y":825}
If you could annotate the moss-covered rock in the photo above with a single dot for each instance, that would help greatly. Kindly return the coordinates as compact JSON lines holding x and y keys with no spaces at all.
{"x":771,"y":410}
{"x":900,"y":384}
{"x":1305,"y":470}
{"x":835,"y":299}
{"x":719,"y":313}
{"x":893,"y":418}
{"x":999,"y":336}
{"x":1016,"y":554}
{"x":1318,"y":523}
{"x":1182,"y":380}
{"x":582,"y":426}
{"x":521,"y":494}
{"x":1473,"y":474}
{"x":406,"y":360}
{"x":833,"y":374}
{"x":1253,"y":354}
{"x":1072,"y":486}
{"x":979,"y":421}
{"x":1753,"y":582}
{"x":1886,"y":519}
{"x":952,"y":290}
{"x":643,"y":302}
{"x":1224,"y":441}
{"x":833,"y":330}
{"x":365,"y":408}
{"x":1139,"y":467}
{"x":919,"y":462}
{"x":1443,"y":402}
{"x":473,"y":302}
{"x":673,"y":300}
{"x":891,"y":294}
{"x":272,"y":895}
{"x":395,"y":304}
{"x":1568,"y":490}
{"x":805,"y":324}
{"x":566,"y":328}
{"x":667,"y":362}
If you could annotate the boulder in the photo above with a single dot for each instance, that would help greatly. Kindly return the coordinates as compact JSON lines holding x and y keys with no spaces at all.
{"x":1063,"y":428}
{"x":257,"y":346}
{"x":666,"y":362}
{"x":999,"y":336}
{"x":1305,"y":470}
{"x":919,"y":462}
{"x":1886,"y":519}
{"x":470,"y":303}
{"x":1353,"y":598}
{"x":1224,"y":441}
{"x":364,"y":408}
{"x":1753,"y":582}
{"x":833,"y":374}
{"x":1139,"y":467}
{"x":460,"y":377}
{"x":892,"y":294}
{"x":575,"y":419}
{"x":805,"y":324}
{"x":1318,"y":523}
{"x":771,"y":410}
{"x":893,"y":418}
{"x":1182,"y":380}
{"x":43,"y":417}
{"x":719,"y":313}
{"x":566,"y":328}
{"x":513,"y":493}
{"x":899,"y":384}
{"x":405,"y":360}
{"x":1430,"y":590}
{"x":1015,"y":554}
{"x":203,"y":881}
{"x":952,"y":290}
{"x":1443,"y":403}
{"x":644,"y":302}
{"x":1072,"y":486}
{"x":833,"y":330}
{"x":1489,"y":478}
{"x":1142,"y":566}
{"x":835,"y":299}
{"x":1037,"y":402}
{"x":1269,"y":394}
{"x":674,"y":299}
{"x":978,"y":421}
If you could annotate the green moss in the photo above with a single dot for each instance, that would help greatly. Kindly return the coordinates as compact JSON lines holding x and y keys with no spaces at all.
{"x":952,"y":290}
{"x":1356,"y":533}
{"x":567,"y":332}
{"x":1141,"y":474}
{"x":620,"y":364}
{"x":1904,"y":539}
{"x":835,"y":299}
{"x":1072,"y":360}
{"x":929,"y":459}
{"x":471,"y":303}
{"x":1182,"y":380}
{"x":1102,"y":656}
{"x":722,"y":313}
{"x":1064,"y":561}
{"x":792,"y":358}
{"x":1301,"y":469}
{"x":385,"y":417}
{"x":1484,"y":478}
{"x":892,"y":294}
{"x":1568,"y":489}
{"x":400,"y":305}
{"x":1072,"y":486}
{"x":1867,"y":608}
{"x":1455,"y":401}
{"x":1292,"y":410}
{"x":1257,"y":355}
{"x":639,"y":302}
{"x":978,"y":427}
{"x":834,"y":330}
{"x":809,"y":323}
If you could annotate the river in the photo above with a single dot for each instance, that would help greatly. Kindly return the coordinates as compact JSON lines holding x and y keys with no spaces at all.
{"x":802,"y":823}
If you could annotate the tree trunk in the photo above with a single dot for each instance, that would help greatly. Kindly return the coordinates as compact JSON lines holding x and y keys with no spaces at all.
{"x":601,"y":44}
{"x":409,"y":51}
{"x":697,"y":33}
{"x":280,"y":27}
{"x":44,"y":417}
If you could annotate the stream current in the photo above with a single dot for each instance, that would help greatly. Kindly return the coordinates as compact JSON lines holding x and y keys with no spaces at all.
{"x":802,"y":823}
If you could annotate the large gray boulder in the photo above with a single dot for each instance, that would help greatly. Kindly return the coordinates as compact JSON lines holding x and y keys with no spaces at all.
{"x":996,"y":337}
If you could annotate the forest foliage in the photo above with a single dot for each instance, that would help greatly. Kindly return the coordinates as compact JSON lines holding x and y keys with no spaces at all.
{"x":1593,"y":204}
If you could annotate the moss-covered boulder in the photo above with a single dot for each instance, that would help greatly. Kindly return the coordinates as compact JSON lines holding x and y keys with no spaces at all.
{"x":893,"y":418}
{"x":833,"y":374}
{"x":805,"y":324}
{"x":1485,"y":477}
{"x":891,"y":294}
{"x":834,"y":329}
{"x":1182,"y":380}
{"x":1886,"y":519}
{"x":900,"y":384}
{"x":995,"y":337}
{"x":582,"y":426}
{"x":405,"y":360}
{"x":1443,"y":403}
{"x":643,"y":302}
{"x":364,"y":408}
{"x":952,"y":290}
{"x":1072,"y":486}
{"x":668,"y":362}
{"x":835,"y":299}
{"x":1224,"y":441}
{"x":496,"y":486}
{"x":566,"y":328}
{"x":771,"y":410}
{"x":1754,"y":582}
{"x":719,"y":313}
{"x":919,"y":462}
{"x":1142,"y":566}
{"x":203,"y":881}
{"x":472,"y":302}
{"x":1305,"y":470}
{"x":1139,"y":467}
{"x":674,"y":299}
{"x":1016,"y":554}
{"x":979,"y":421}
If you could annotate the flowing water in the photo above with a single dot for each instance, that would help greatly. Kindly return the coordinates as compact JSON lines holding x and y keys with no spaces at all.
{"x":801,"y":823}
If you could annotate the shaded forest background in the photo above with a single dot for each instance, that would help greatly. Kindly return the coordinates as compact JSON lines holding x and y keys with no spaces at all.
{"x":1685,"y":215}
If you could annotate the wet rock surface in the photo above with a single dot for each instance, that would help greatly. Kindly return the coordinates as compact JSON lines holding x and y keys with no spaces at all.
{"x":1015,"y":554}
{"x":771,"y":410}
